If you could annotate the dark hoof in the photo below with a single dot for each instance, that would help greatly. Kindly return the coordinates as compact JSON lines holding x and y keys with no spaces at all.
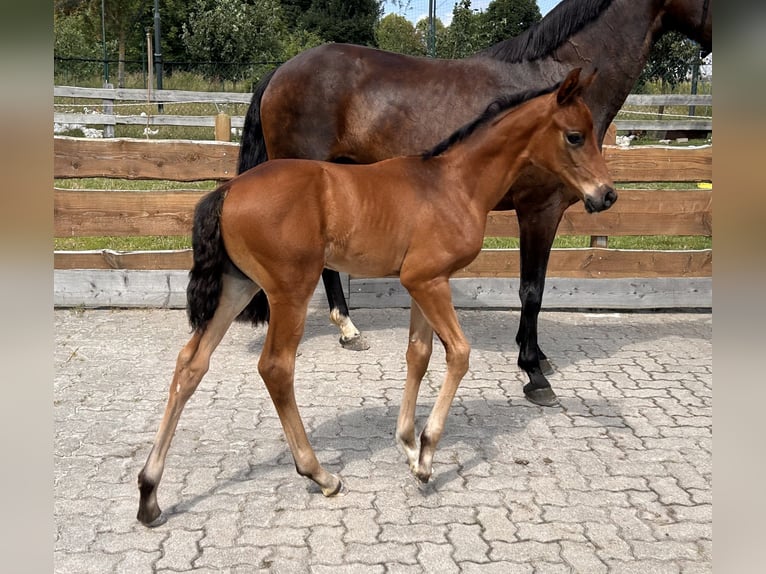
{"x":544,"y":397}
{"x":150,"y":521}
{"x":358,"y":343}
{"x":546,"y":367}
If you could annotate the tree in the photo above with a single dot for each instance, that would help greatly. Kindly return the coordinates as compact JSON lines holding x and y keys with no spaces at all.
{"x":236,"y":33}
{"x":670,"y":61}
{"x":351,"y":21}
{"x":397,"y":34}
{"x":505,"y":19}
{"x":465,"y":35}
{"x":441,"y":33}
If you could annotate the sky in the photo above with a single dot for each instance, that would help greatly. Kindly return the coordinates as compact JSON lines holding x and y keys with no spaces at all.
{"x":419,"y":8}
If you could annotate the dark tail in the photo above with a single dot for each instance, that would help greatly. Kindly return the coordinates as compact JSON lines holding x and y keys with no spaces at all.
{"x":210,"y":260}
{"x":252,"y":148}
{"x":252,"y":151}
{"x":210,"y":263}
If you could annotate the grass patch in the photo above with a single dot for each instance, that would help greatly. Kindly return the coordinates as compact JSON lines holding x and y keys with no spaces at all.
{"x":665,"y":242}
{"x":147,"y":243}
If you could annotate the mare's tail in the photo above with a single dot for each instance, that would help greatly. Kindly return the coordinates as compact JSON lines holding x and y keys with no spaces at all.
{"x":252,"y":148}
{"x":252,"y":151}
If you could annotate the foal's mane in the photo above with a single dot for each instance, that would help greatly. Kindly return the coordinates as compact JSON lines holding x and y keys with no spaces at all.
{"x":493,"y":110}
{"x":561,"y":23}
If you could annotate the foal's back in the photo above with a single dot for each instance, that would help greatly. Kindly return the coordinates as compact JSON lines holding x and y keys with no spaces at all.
{"x":360,"y":219}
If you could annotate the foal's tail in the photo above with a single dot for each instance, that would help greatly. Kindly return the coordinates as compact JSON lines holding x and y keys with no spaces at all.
{"x":210,"y":263}
{"x":210,"y":260}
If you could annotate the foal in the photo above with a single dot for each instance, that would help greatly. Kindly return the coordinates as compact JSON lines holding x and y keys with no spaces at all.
{"x":275,"y":227}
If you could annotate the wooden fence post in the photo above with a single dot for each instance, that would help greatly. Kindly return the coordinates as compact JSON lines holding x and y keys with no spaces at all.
{"x":107,"y":108}
{"x":223,"y":127}
{"x":610,"y":138}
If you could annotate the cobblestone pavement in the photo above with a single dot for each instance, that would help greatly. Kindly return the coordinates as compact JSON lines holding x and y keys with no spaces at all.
{"x":616,"y":479}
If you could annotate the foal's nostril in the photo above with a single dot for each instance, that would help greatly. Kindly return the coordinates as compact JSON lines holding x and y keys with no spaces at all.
{"x":610,"y":197}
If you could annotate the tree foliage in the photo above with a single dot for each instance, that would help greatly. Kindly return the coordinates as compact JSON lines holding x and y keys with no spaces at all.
{"x":235,"y":33}
{"x":505,"y":19}
{"x":351,"y":21}
{"x":670,"y":61}
{"x":397,"y":34}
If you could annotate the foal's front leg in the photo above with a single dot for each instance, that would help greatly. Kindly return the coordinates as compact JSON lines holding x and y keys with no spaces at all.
{"x":419,"y":350}
{"x":435,"y":301}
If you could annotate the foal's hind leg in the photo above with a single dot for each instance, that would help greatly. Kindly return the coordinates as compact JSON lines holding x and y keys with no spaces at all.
{"x":191,"y":366}
{"x":419,"y":350}
{"x":277,"y":369}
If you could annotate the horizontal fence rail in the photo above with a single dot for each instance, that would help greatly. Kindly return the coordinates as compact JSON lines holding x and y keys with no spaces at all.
{"x":108,"y":97}
{"x":590,"y":277}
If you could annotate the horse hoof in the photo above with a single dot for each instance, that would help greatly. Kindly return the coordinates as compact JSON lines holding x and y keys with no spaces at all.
{"x":338,"y":490}
{"x":544,"y":397}
{"x":356,"y":343}
{"x":546,"y":367}
{"x":152,"y":521}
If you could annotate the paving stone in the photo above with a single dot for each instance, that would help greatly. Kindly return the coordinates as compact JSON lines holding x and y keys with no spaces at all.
{"x":617,"y":479}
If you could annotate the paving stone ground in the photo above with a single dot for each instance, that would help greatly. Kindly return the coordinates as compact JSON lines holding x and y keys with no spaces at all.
{"x":617,"y":479}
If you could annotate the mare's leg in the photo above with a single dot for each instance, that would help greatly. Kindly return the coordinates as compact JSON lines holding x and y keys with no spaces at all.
{"x":277,"y":369}
{"x":536,"y":238}
{"x":350,"y":337}
{"x":419,"y":350}
{"x":435,"y":300}
{"x":191,"y":366}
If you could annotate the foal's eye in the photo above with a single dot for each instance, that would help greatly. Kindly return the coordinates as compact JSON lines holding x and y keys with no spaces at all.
{"x":575,"y":138}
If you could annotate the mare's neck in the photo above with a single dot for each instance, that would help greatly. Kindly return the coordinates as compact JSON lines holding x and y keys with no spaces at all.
{"x":617,"y":43}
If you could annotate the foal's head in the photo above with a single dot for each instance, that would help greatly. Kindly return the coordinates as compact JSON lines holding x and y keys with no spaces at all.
{"x":567,"y":146}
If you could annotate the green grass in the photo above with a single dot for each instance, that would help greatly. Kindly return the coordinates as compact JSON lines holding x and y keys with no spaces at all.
{"x":152,"y":243}
{"x":669,"y":242}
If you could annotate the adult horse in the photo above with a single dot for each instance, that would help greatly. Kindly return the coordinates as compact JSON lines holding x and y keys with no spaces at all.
{"x":274,"y":228}
{"x":352,"y":104}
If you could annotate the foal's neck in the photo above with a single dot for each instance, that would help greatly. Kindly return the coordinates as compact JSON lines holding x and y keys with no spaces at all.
{"x":488,"y":162}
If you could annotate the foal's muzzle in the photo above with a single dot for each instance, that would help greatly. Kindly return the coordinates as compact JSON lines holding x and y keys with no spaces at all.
{"x":601,"y":200}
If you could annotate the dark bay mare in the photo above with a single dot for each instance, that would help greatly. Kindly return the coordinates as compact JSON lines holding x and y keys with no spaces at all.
{"x":421,"y":218}
{"x":352,"y":104}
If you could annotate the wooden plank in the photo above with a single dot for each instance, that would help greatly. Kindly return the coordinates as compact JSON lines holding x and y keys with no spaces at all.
{"x":120,"y":213}
{"x":669,"y":100}
{"x":126,"y":158}
{"x":167,"y":289}
{"x":123,"y":213}
{"x":149,"y":121}
{"x":637,"y":212}
{"x":660,"y":163}
{"x":180,"y":259}
{"x":245,"y":97}
{"x":560,"y":293}
{"x":141,"y":96}
{"x":597,"y":263}
{"x":665,"y":125}
{"x":181,"y":160}
{"x":131,"y":289}
{"x":574,"y":263}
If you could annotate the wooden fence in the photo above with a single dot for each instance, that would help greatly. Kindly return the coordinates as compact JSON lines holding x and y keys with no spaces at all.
{"x":655,"y":120}
{"x":594,"y":277}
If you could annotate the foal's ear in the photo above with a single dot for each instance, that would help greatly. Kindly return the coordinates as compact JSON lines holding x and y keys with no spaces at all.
{"x":569,"y":87}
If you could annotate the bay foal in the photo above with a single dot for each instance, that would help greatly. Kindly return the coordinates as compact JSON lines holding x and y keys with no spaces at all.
{"x":422,"y":218}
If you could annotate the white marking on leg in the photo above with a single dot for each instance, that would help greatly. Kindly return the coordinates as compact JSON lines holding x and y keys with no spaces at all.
{"x":347,"y":328}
